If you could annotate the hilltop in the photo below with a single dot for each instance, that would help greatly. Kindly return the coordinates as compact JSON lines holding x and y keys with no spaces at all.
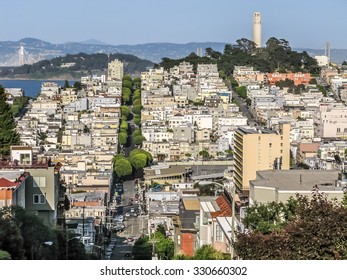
{"x":74,"y":66}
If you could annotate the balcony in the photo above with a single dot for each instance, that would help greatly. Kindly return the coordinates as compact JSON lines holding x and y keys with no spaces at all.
{"x":6,"y":164}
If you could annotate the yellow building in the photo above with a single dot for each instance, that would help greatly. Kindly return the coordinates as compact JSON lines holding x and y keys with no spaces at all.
{"x":256,"y":150}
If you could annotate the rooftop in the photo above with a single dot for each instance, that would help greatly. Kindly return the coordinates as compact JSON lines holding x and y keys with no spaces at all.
{"x":296,"y":180}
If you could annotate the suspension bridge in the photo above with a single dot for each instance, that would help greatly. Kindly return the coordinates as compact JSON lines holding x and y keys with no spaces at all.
{"x":19,"y":58}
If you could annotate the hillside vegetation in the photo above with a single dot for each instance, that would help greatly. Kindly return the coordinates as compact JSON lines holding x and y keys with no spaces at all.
{"x":277,"y":55}
{"x":75,"y":66}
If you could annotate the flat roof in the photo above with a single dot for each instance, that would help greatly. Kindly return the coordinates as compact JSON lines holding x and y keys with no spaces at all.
{"x":191,"y":203}
{"x":296,"y":180}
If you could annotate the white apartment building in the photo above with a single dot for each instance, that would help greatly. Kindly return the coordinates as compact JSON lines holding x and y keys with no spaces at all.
{"x":334,"y":122}
{"x":115,"y":70}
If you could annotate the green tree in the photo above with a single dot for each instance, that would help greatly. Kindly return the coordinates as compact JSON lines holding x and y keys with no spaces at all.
{"x":142,"y":249}
{"x":204,"y":154}
{"x":242,"y":91}
{"x":138,"y":161}
{"x":122,"y":137}
{"x":269,"y":217}
{"x":137,"y":132}
{"x":137,"y":119}
{"x":207,"y":252}
{"x":5,"y":255}
{"x":66,"y":84}
{"x":163,"y":246}
{"x":125,"y":111}
{"x":137,"y":83}
{"x":138,"y":139}
{"x":77,"y":85}
{"x":122,"y":168}
{"x":8,"y":134}
{"x":141,"y":151}
{"x":128,"y":84}
{"x":137,"y":109}
{"x":137,"y":102}
{"x":316,"y":231}
{"x":11,"y":239}
{"x":124,"y":126}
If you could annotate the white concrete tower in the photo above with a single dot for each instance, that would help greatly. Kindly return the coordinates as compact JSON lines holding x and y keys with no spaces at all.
{"x":257,"y":29}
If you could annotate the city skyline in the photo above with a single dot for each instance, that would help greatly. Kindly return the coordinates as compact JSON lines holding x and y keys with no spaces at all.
{"x":308,"y":24}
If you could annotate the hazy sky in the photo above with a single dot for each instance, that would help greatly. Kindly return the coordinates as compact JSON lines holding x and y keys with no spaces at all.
{"x":304,"y":23}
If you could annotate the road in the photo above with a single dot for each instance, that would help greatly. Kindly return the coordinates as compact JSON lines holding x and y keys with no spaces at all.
{"x":135,"y":226}
{"x":244,"y":109}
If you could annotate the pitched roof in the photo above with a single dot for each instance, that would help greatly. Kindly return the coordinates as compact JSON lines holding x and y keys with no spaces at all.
{"x":4,"y":183}
{"x":225,"y":207}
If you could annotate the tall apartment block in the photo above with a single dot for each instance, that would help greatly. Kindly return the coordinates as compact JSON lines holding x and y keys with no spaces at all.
{"x":115,"y":70}
{"x":257,"y":29}
{"x":256,"y":150}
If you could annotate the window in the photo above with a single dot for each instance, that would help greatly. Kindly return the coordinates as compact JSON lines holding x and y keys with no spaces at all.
{"x":39,"y":199}
{"x":39,"y":182}
{"x":218,"y":233}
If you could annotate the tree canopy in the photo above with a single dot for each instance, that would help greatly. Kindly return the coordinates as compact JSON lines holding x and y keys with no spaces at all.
{"x":276,"y":55}
{"x":315,"y":229}
{"x":8,"y":134}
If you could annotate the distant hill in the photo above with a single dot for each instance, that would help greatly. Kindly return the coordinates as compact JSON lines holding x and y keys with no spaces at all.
{"x":74,"y":66}
{"x":40,"y":50}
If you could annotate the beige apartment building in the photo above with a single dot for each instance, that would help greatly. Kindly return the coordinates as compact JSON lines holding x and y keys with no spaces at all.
{"x":256,"y":150}
{"x":115,"y":70}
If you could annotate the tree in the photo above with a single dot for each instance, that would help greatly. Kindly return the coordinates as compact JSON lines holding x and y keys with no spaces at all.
{"x":8,"y":134}
{"x":142,"y":249}
{"x":138,"y":161}
{"x":269,"y":217}
{"x":204,"y":154}
{"x":137,"y":119}
{"x":141,"y":151}
{"x":128,"y":84}
{"x":11,"y":239}
{"x":122,"y":168}
{"x":242,"y":91}
{"x":207,"y":252}
{"x":125,"y":111}
{"x":316,"y":231}
{"x":124,"y":126}
{"x":137,"y":102}
{"x":4,"y":255}
{"x":122,"y":137}
{"x":246,"y":45}
{"x":138,"y":139}
{"x":137,"y":83}
{"x":66,"y":84}
{"x":137,"y":109}
{"x":77,"y":85}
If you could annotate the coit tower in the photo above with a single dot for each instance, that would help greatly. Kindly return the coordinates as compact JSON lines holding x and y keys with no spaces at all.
{"x":257,"y":29}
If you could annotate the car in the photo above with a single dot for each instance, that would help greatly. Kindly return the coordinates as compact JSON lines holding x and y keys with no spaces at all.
{"x":127,"y":254}
{"x":132,"y":210}
{"x":135,"y":214}
{"x":127,"y":214}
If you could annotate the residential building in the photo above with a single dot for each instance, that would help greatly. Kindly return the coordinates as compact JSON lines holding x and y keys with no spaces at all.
{"x":256,"y":150}
{"x":280,"y":185}
{"x":115,"y":70}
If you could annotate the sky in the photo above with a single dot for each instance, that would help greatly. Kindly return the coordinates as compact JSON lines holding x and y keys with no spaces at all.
{"x":303,"y":23}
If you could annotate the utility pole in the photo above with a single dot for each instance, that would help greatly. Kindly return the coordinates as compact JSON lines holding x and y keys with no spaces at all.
{"x":232,"y":251}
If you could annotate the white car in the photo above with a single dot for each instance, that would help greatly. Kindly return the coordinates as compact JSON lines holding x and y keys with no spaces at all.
{"x":132,"y":210}
{"x":127,"y":214}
